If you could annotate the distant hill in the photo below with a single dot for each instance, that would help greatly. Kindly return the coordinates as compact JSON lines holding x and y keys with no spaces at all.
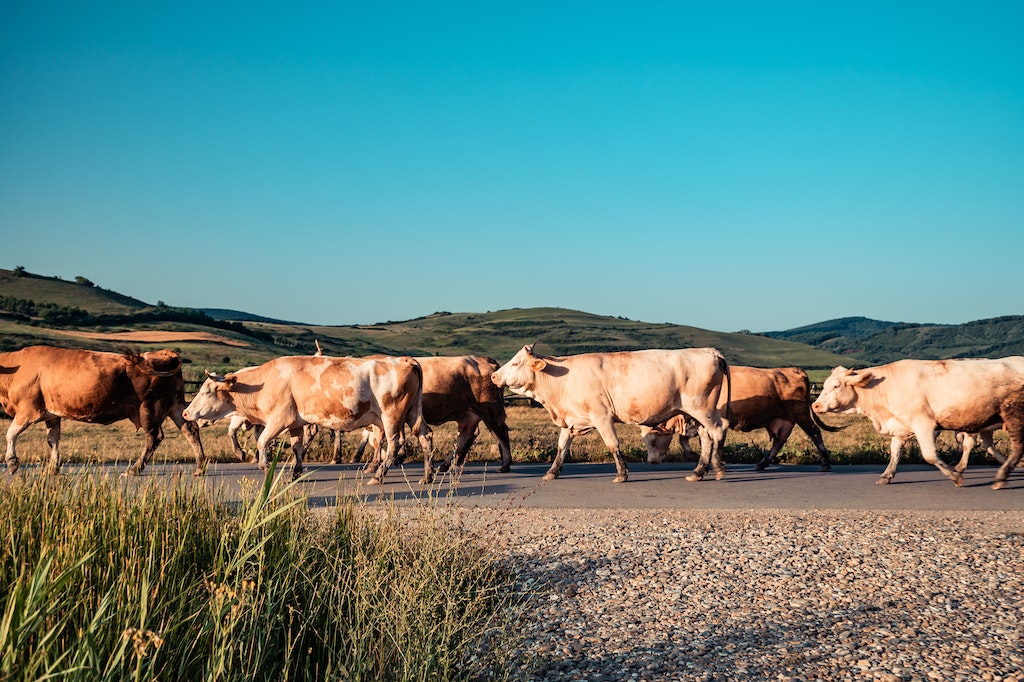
{"x":874,"y":342}
{"x":51,"y":310}
{"x":35,"y":309}
{"x":68,"y":293}
{"x":845,"y":327}
{"x":240,"y":316}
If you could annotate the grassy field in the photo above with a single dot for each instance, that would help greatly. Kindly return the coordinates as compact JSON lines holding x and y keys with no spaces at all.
{"x":533,"y":438}
{"x":113,"y":580}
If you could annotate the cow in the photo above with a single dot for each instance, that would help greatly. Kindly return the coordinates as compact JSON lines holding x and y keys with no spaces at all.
{"x":771,"y":399}
{"x":291,"y":392}
{"x":458,"y":389}
{"x":916,"y":397}
{"x":49,"y":383}
{"x":647,"y":387}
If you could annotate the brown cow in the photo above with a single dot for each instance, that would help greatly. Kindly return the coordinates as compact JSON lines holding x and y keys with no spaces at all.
{"x":598,"y":390}
{"x":771,"y":399}
{"x":459,"y":389}
{"x":46,"y":384}
{"x":915,"y":397}
{"x":289,"y":393}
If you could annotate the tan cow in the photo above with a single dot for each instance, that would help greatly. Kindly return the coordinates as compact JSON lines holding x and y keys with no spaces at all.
{"x":915,"y":397}
{"x":289,"y":393}
{"x":46,"y":384}
{"x":775,"y":400}
{"x":598,"y":390}
{"x":459,"y":389}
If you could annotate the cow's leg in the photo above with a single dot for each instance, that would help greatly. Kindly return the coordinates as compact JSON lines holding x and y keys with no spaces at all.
{"x":235,"y":425}
{"x":392,"y":432}
{"x":336,"y":449}
{"x":926,"y":439}
{"x":299,"y":437}
{"x":611,"y":441}
{"x":779,"y":430}
{"x":990,"y":447}
{"x":712,"y":440}
{"x":270,"y":432}
{"x":1012,"y":411}
{"x":814,"y":433}
{"x":895,"y":448}
{"x":154,"y":436}
{"x":467,"y":436}
{"x":53,"y":440}
{"x":426,"y":438}
{"x":495,"y":423}
{"x":191,"y":432}
{"x":966,"y":442}
{"x":564,"y":441}
{"x":13,"y":431}
{"x":372,"y":438}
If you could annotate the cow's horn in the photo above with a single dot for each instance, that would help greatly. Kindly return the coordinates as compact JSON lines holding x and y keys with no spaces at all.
{"x":215,"y":377}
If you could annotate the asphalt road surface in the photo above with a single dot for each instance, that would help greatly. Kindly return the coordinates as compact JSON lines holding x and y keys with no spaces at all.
{"x":590,"y":486}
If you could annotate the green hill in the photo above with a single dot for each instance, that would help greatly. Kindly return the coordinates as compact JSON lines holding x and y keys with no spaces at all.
{"x":77,"y":308}
{"x":871,"y":342}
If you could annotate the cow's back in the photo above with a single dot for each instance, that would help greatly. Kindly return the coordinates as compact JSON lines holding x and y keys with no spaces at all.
{"x":643,"y":385}
{"x":453,"y":385}
{"x":958,"y":394}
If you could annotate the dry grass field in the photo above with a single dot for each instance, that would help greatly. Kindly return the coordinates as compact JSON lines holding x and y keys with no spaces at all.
{"x":534,"y":439}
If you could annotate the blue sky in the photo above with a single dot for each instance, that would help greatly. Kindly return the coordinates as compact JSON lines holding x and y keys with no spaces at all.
{"x":724,"y":165}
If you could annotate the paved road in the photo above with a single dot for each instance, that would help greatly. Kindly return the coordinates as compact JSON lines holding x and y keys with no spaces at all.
{"x":589,"y":486}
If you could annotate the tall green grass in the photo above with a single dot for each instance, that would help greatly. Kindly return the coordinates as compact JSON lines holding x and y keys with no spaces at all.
{"x":112,"y":580}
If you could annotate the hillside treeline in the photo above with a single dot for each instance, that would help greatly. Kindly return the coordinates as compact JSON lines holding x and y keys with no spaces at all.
{"x":54,"y":315}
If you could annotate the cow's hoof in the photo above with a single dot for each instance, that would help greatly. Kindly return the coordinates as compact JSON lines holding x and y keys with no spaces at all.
{"x":958,"y":480}
{"x":444,"y":468}
{"x":998,"y":485}
{"x":760,"y":466}
{"x":12,"y":466}
{"x":130,"y":472}
{"x":374,"y":481}
{"x":719,"y":475}
{"x":550,"y":476}
{"x":825,"y":468}
{"x":426,"y":481}
{"x":505,"y":469}
{"x":620,"y":479}
{"x":336,"y":461}
{"x":296,"y":473}
{"x":883,"y":481}
{"x":695,"y":477}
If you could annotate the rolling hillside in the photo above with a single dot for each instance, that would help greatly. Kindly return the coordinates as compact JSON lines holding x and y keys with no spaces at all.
{"x":874,"y":342}
{"x":108,"y":320}
{"x":35,"y":309}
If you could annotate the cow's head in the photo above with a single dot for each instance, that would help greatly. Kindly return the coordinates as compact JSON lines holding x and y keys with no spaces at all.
{"x":519,"y":373}
{"x":838,"y":394}
{"x":657,"y":442}
{"x":213,"y":401}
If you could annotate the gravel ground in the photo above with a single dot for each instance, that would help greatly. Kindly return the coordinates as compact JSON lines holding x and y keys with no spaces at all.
{"x":779,"y":595}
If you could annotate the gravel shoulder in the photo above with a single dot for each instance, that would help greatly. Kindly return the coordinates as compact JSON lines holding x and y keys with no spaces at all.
{"x":765,"y":594}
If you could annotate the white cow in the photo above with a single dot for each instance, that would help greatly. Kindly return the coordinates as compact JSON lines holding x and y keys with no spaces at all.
{"x":917,"y":397}
{"x":598,"y":390}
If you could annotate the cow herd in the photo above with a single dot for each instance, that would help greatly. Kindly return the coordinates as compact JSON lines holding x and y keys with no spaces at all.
{"x":685,"y":392}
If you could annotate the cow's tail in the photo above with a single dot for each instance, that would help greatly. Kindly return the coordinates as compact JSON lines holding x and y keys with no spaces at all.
{"x":723,"y":365}
{"x":822,"y":425}
{"x":415,"y":418}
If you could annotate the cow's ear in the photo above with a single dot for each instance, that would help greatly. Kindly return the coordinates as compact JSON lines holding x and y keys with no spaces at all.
{"x":859,"y":378}
{"x":229,"y":381}
{"x":538,"y":364}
